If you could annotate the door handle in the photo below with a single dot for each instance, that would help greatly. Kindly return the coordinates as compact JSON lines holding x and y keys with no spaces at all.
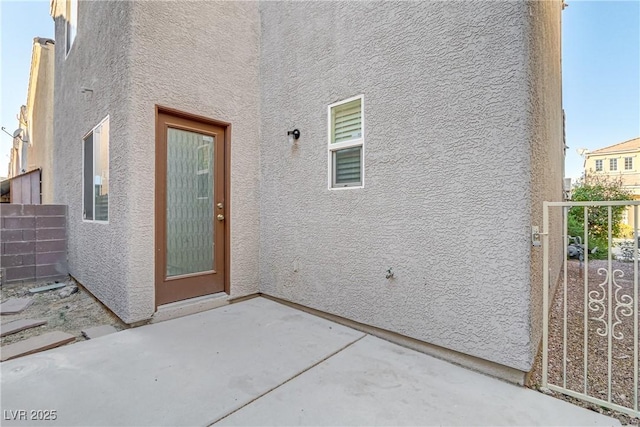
{"x":220,"y":217}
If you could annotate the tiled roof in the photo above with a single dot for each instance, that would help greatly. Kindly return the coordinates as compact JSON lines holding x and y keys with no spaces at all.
{"x":632,"y":144}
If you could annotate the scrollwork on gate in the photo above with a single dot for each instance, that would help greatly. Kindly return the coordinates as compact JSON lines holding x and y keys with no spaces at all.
{"x":623,"y":304}
{"x":596,"y":303}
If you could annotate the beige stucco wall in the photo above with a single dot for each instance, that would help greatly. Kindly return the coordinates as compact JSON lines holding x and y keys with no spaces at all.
{"x":39,"y":114}
{"x":630,"y":178}
{"x":463,"y":118}
{"x":199,"y":57}
{"x":458,"y":127}
{"x":546,"y":148}
{"x":99,"y":255}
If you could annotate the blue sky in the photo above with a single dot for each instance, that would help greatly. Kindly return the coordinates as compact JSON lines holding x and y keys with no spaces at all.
{"x":601,"y":70}
{"x":600,"y":76}
{"x":20,"y":22}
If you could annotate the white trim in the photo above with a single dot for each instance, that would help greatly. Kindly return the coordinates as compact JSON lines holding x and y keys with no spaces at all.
{"x":595,"y":203}
{"x":612,"y":153}
{"x":67,"y":11}
{"x":344,"y":101}
{"x":331,"y":147}
{"x":601,"y":165}
{"x":615,"y":160}
{"x":93,"y":132}
{"x":346,"y":144}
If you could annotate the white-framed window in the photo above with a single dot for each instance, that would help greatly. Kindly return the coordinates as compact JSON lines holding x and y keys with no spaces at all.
{"x":346,"y":143}
{"x":628,"y":163}
{"x":599,"y":165}
{"x":613,"y":164}
{"x":71,"y":27}
{"x":95,"y":170}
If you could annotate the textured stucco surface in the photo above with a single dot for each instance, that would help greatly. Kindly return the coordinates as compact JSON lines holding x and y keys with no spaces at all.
{"x":447,"y":198}
{"x":40,"y":115}
{"x":547,"y":146}
{"x":150,"y":53}
{"x":463,"y":132}
{"x":99,"y":255}
{"x":201,"y":58}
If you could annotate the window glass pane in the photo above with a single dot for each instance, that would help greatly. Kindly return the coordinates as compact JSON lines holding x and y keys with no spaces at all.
{"x":347,"y":166}
{"x":346,"y":121}
{"x":101,"y":172}
{"x":613,"y":164}
{"x":598,"y":165}
{"x":88,"y":177}
{"x":628,"y":163}
{"x":190,"y":232}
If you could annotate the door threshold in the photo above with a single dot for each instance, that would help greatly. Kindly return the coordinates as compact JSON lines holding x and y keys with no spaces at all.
{"x":189,"y":306}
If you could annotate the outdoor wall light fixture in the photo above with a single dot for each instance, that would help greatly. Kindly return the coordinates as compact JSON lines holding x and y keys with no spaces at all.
{"x":293,"y":135}
{"x":389,"y":274}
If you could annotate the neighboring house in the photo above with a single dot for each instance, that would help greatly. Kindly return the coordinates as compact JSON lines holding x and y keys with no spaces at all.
{"x":430,"y":133}
{"x":619,"y":161}
{"x":18,"y":159}
{"x":14,"y":159}
{"x":33,"y":144}
{"x":5,"y":185}
{"x":23,"y":189}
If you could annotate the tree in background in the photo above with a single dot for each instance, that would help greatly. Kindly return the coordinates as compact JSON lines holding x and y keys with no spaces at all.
{"x":597,"y":188}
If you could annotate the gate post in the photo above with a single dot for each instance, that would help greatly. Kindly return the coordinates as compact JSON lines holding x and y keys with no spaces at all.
{"x":545,"y":292}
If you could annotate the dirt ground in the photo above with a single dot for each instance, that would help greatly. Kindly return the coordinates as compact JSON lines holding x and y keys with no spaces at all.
{"x":71,"y":314}
{"x":622,"y":340}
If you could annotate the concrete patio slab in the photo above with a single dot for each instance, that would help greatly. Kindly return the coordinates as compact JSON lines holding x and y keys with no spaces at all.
{"x":183,"y":372}
{"x":374,"y":382}
{"x":258,"y":362}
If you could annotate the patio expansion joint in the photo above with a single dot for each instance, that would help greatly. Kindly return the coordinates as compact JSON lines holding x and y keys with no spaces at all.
{"x":330,"y":355}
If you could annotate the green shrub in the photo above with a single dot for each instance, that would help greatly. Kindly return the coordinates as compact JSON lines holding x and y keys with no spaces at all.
{"x":598,"y":188}
{"x":574,"y":227}
{"x":603,"y":248}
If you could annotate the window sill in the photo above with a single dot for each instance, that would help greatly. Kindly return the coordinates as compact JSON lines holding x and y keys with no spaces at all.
{"x":354,"y":187}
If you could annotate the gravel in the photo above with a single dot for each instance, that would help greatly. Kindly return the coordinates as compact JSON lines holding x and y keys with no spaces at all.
{"x":622,"y":386}
{"x":69,"y":309}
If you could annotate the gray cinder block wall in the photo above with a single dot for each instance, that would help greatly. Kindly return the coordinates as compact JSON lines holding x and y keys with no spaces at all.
{"x":33,"y":242}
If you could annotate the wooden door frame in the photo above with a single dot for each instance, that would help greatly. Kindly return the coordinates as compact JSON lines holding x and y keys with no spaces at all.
{"x":161,"y":169}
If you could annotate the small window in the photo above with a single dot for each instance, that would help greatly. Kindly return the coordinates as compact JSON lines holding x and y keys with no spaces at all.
{"x":628,"y":163}
{"x":598,"y":165}
{"x":613,"y":164}
{"x":346,"y":144}
{"x":96,"y":173}
{"x":71,"y":24}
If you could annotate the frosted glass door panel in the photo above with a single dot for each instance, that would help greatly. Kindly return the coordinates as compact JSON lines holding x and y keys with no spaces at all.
{"x":190,"y":230}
